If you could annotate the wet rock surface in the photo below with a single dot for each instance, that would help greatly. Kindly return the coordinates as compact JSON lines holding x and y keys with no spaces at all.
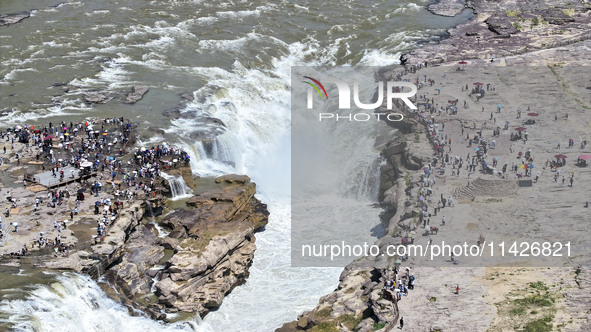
{"x":97,"y":98}
{"x":13,"y":18}
{"x":447,"y":8}
{"x":137,"y":93}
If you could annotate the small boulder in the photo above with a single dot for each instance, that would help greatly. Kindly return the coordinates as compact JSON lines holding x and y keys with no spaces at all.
{"x":97,"y":98}
{"x":501,"y":26}
{"x":186,"y":96}
{"x":303,"y":322}
{"x":137,"y":93}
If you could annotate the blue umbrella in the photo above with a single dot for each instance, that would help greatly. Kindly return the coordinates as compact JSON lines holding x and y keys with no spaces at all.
{"x":476,"y":149}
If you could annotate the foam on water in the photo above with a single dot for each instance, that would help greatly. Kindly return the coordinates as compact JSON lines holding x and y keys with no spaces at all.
{"x":206,"y":20}
{"x":239,"y":14}
{"x":98,"y":12}
{"x":232,"y":44}
{"x":113,"y":75}
{"x":12,"y":75}
{"x":16,"y":116}
{"x":379,"y":58}
{"x":153,"y":140}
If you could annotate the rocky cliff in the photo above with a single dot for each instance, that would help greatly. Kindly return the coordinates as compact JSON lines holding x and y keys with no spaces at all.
{"x":184,"y":261}
{"x":203,"y":252}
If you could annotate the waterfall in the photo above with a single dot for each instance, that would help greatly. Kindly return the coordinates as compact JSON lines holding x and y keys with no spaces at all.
{"x":178,"y":186}
{"x":74,"y":302}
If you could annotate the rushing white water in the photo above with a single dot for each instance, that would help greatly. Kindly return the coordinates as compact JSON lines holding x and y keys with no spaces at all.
{"x":75,"y":303}
{"x":178,"y":186}
{"x":257,"y":141}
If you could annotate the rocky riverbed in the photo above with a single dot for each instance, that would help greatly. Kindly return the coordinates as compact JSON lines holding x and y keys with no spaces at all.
{"x":505,"y":28}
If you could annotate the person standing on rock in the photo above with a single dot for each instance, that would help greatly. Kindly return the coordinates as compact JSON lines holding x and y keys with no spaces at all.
{"x":457,"y":289}
{"x":401,"y":322}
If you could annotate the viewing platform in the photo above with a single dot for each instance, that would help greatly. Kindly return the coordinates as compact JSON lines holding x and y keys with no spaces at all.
{"x":48,"y":180}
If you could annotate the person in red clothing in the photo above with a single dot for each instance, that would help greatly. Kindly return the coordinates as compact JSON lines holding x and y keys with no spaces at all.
{"x":458,"y":290}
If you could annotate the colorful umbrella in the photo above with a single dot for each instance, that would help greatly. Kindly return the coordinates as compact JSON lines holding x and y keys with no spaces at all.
{"x":532,"y":114}
{"x":560,"y":156}
{"x":520,"y":128}
{"x":463,"y":62}
{"x":585,"y":157}
{"x":478,"y":83}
